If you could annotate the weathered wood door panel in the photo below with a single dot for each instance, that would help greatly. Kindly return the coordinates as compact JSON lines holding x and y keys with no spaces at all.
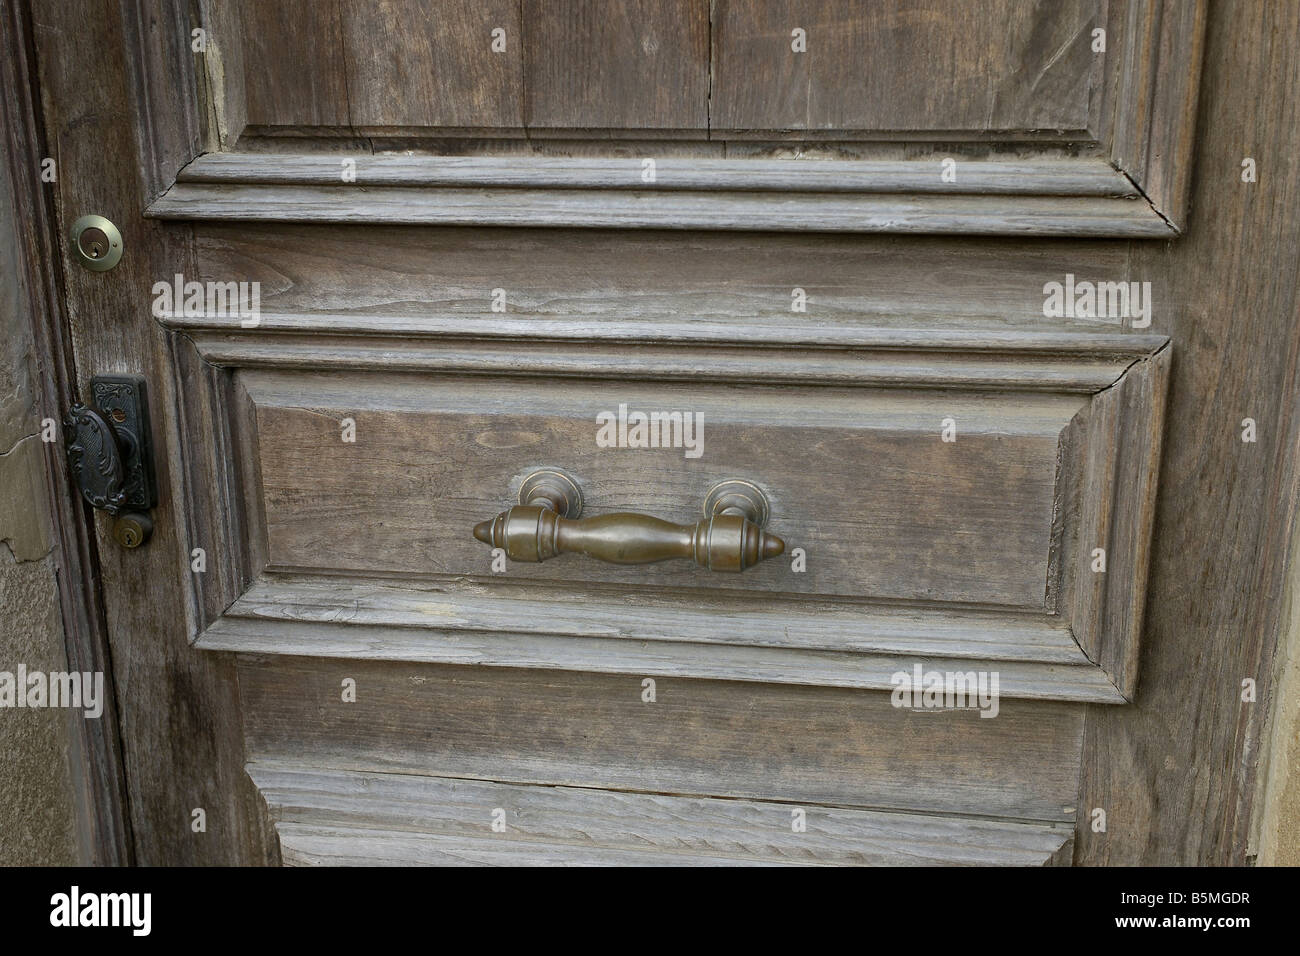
{"x":829,"y":230}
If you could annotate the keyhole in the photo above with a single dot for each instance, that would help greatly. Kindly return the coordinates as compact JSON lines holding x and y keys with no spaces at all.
{"x":93,"y":242}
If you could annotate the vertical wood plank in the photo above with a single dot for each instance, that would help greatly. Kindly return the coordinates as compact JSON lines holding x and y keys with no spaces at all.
{"x":294,"y":68}
{"x":1153,"y":126}
{"x":621,"y":64}
{"x":1176,"y":770}
{"x":431,"y":63}
{"x":934,"y":65}
{"x":179,"y":714}
{"x":97,"y":752}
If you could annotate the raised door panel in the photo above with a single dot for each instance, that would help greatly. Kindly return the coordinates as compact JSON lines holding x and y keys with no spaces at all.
{"x":957,"y":67}
{"x":1011,"y":118}
{"x":859,"y":479}
{"x":976,"y":549}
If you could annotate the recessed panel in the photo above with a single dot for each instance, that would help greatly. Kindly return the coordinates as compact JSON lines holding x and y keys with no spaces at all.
{"x":862,"y":481}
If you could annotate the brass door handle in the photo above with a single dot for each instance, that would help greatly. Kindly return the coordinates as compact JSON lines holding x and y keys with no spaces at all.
{"x":545,"y":523}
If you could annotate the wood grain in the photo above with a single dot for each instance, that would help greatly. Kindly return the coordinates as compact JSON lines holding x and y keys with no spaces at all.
{"x":430,"y":63}
{"x":870,"y":529}
{"x":333,"y":817}
{"x":723,"y":285}
{"x":569,"y":350}
{"x":1176,"y":772}
{"x":1126,"y":425}
{"x":96,"y":760}
{"x":976,"y":80}
{"x":908,"y":65}
{"x":651,"y":209}
{"x":178,"y":713}
{"x":1047,"y":177}
{"x":1153,"y":125}
{"x":623,"y":64}
{"x":294,"y":65}
{"x":699,"y":636}
{"x":700,"y":738}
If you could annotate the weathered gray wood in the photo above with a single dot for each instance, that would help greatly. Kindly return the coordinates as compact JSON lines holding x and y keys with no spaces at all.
{"x":693,"y":73}
{"x":161,"y":72}
{"x":376,"y":818}
{"x":848,"y":367}
{"x":735,"y":285}
{"x":1153,"y":125}
{"x":1117,"y":508}
{"x":394,"y":603}
{"x":1176,"y":771}
{"x":1046,"y":177}
{"x":641,"y":64}
{"x":177,"y":709}
{"x":430,"y":63}
{"x":918,"y":65}
{"x":917,"y":357}
{"x":305,"y":845}
{"x":1068,"y":361}
{"x":219,"y":523}
{"x":365,"y":623}
{"x":871,"y":530}
{"x":308,"y":487}
{"x":704,"y":738}
{"x":220,"y":76}
{"x":650,"y":209}
{"x":96,"y":758}
{"x":294,"y":65}
{"x":1226,"y":296}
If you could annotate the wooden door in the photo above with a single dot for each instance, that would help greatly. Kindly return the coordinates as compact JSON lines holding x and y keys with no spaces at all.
{"x":978,"y":295}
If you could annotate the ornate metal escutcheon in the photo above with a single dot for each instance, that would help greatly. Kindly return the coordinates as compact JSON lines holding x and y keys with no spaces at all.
{"x":110,"y":454}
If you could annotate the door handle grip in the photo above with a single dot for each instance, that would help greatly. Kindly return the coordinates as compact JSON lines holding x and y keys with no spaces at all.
{"x":544,"y":525}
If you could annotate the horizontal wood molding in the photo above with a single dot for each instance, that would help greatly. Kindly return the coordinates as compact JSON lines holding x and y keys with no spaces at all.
{"x":1042,"y":177}
{"x":1074,"y":638}
{"x":323,"y":618}
{"x":1083,"y":198}
{"x":819,"y":353}
{"x":1097,"y":145}
{"x":340,"y":817}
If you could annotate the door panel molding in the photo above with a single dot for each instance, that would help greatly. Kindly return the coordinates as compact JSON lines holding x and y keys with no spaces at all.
{"x":1085,"y":197}
{"x":1077,"y":639}
{"x":346,"y":817}
{"x":1115,"y":166}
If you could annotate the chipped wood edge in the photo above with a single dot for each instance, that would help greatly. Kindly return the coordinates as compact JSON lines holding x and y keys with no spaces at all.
{"x":1154,"y":123}
{"x":1121,"y":475}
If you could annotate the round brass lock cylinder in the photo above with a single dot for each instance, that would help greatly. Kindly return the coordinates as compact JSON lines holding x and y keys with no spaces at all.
{"x":96,"y":243}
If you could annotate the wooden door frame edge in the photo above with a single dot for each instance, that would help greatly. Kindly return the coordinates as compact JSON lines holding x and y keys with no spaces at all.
{"x":97,"y":761}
